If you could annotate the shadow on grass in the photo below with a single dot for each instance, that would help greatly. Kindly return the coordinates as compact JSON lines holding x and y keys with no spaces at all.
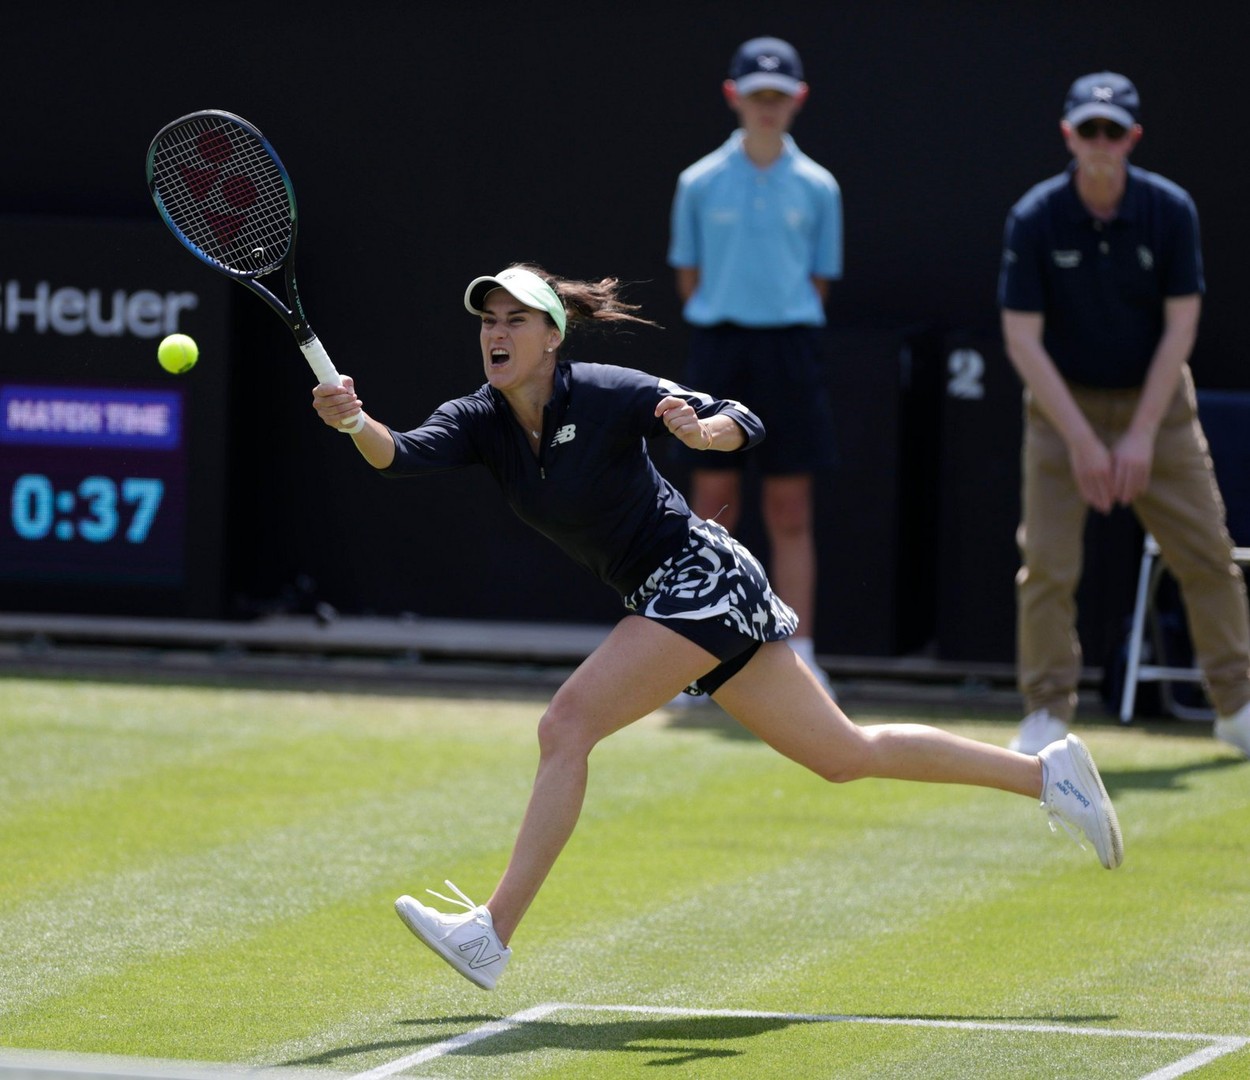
{"x":401,"y":1046}
{"x":670,"y":1041}
{"x":1175,"y":778}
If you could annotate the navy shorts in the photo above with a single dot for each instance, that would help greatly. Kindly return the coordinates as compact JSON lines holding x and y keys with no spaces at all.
{"x":715,"y":593}
{"x":779,"y":374}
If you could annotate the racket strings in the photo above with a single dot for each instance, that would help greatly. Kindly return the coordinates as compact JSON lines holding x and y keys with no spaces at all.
{"x":221,"y":188}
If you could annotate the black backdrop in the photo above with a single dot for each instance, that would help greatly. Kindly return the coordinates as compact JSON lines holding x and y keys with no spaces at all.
{"x":432,"y":143}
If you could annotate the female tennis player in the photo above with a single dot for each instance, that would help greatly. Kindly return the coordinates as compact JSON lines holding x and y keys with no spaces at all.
{"x":567,"y":443}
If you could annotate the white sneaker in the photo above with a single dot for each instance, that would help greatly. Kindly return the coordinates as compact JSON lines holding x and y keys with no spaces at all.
{"x":1038,"y":730}
{"x":1235,"y":730}
{"x":467,"y":942}
{"x":1073,"y":796}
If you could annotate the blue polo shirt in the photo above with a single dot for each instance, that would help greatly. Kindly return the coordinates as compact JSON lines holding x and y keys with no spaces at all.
{"x":1101,"y":286}
{"x":757,"y":236}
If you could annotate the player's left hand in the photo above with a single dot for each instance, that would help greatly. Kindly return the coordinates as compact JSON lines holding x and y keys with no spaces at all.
{"x":684,"y":423}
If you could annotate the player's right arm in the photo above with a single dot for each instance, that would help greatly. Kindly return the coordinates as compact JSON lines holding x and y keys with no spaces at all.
{"x":338,"y":404}
{"x":1090,"y":458}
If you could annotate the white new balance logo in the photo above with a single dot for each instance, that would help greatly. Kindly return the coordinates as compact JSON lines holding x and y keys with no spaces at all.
{"x":565,"y":434}
{"x":479,"y":946}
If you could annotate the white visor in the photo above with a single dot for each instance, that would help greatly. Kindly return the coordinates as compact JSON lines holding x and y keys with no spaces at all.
{"x":522,"y":284}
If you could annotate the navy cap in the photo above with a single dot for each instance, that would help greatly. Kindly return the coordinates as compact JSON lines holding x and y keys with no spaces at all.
{"x":766,"y":63}
{"x":1103,"y":94}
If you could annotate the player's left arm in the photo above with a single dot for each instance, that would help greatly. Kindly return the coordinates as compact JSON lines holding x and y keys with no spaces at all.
{"x":704,"y":422}
{"x":1133,"y":454}
{"x":716,"y":432}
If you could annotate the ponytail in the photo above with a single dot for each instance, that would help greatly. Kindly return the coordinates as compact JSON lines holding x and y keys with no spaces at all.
{"x":591,"y":303}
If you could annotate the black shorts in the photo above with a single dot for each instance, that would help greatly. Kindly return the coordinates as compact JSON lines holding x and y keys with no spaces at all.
{"x":780,"y":375}
{"x":715,"y":593}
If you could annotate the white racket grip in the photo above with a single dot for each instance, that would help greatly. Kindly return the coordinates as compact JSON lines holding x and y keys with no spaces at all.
{"x":323,"y":367}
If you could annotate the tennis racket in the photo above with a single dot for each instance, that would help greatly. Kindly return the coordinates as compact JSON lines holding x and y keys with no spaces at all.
{"x":224,"y":193}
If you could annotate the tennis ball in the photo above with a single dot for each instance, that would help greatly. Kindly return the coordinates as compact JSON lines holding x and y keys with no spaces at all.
{"x":178,"y":353}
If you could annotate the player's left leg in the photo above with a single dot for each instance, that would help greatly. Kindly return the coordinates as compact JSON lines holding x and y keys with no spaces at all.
{"x":776,"y":697}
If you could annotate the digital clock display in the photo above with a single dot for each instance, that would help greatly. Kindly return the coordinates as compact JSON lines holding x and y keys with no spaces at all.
{"x":110,"y":467}
{"x":112,"y":471}
{"x":39,"y":510}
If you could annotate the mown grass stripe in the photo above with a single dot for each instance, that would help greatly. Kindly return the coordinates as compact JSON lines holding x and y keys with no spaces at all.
{"x":248,"y":919}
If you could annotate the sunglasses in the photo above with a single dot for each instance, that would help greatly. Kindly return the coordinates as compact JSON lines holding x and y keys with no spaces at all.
{"x":1091,"y":129}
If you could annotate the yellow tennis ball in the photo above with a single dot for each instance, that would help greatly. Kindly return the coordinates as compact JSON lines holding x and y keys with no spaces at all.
{"x":178,"y":353}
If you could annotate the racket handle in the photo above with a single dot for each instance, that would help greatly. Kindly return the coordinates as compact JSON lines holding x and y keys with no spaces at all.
{"x":323,"y":367}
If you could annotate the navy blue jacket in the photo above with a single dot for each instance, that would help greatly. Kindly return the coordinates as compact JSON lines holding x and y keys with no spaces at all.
{"x":593,"y":488}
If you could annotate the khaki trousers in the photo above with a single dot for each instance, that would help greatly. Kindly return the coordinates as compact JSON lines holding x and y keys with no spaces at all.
{"x":1184,"y":511}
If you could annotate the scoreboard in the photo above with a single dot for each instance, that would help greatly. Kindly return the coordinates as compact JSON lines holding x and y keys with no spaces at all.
{"x":112,"y":471}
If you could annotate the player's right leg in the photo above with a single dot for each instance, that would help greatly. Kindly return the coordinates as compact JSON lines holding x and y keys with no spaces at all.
{"x":638,"y":667}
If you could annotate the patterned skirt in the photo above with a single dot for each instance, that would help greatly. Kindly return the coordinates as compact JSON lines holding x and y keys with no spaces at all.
{"x":715,"y":592}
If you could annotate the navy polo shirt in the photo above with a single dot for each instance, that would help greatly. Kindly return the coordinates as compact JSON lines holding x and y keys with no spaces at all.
{"x":593,"y":488}
{"x":1101,"y":286}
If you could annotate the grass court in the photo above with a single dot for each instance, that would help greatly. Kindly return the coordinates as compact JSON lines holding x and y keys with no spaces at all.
{"x":205,"y":874}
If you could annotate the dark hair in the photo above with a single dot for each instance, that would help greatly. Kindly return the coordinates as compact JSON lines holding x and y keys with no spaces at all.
{"x":590,"y":303}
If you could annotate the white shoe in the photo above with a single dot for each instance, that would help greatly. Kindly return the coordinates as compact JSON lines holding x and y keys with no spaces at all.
{"x":1235,"y":730}
{"x":1073,"y":796}
{"x":1038,"y":730}
{"x":467,"y":942}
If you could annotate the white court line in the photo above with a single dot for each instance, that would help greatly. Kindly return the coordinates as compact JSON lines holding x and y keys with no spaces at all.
{"x":1219,"y":1044}
{"x":1198,"y":1058}
{"x":438,"y":1050}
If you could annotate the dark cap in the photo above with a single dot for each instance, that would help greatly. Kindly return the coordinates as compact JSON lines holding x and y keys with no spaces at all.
{"x":1103,"y":94}
{"x":766,"y":63}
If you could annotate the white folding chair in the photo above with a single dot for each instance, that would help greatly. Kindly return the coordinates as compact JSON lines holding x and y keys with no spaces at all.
{"x":1146,"y":622}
